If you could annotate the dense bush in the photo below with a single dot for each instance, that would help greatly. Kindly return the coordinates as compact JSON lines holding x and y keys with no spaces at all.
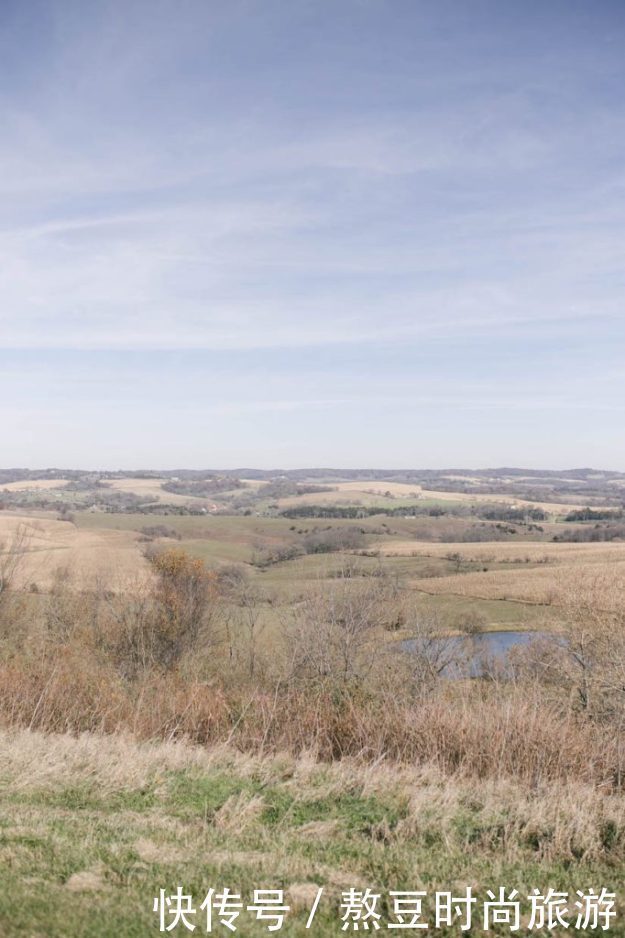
{"x":331,"y":539}
{"x":593,"y":533}
{"x":203,"y":487}
{"x":160,"y":530}
{"x":594,"y":514}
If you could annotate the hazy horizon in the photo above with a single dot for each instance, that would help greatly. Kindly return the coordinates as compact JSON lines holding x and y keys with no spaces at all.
{"x":265,"y":234}
{"x":312,"y":468}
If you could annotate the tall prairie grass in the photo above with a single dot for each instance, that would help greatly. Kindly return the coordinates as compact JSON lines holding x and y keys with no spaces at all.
{"x":468,"y":731}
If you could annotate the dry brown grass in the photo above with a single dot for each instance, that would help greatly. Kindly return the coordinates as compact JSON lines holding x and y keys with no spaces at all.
{"x":407,"y":777}
{"x":574,"y":814}
{"x":151,"y":488}
{"x":91,"y":555}
{"x":34,"y":485}
{"x":471,"y":732}
{"x":94,"y":662}
{"x":552,"y":508}
{"x":547,"y":571}
{"x":512,"y":551}
{"x":541,"y":585}
{"x":95,"y":825}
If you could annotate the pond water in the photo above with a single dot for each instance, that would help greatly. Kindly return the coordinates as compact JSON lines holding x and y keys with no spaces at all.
{"x":472,"y":655}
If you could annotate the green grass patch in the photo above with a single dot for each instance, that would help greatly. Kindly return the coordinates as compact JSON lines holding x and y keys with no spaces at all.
{"x":82,"y":860}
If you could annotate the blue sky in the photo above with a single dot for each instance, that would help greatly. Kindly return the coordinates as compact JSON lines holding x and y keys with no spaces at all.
{"x":354,"y":232}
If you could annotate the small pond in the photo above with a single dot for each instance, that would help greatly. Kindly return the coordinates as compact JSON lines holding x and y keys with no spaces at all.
{"x":472,"y":655}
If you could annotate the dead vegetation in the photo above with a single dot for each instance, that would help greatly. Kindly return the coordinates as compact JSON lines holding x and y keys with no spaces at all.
{"x":568,"y":820}
{"x":179,"y":657}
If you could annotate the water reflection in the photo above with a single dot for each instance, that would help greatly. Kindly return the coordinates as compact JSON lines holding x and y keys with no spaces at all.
{"x":476,"y":655}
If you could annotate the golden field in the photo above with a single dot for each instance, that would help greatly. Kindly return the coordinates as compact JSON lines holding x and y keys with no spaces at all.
{"x":151,"y":488}
{"x":34,"y":485}
{"x":89,"y":556}
{"x":366,"y":492}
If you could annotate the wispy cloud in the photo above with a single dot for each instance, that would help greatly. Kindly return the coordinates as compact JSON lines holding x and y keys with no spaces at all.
{"x":323,"y":179}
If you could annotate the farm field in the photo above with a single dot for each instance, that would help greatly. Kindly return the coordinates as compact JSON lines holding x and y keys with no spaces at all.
{"x":541,"y":586}
{"x":35,"y":485}
{"x":517,"y":552}
{"x":88,"y":556}
{"x":150,"y":488}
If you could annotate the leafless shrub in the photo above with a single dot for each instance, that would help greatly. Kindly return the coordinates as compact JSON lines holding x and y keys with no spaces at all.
{"x":337,"y":634}
{"x":267,"y":554}
{"x":11,"y":558}
{"x":432,"y":651}
{"x":232,"y":577}
{"x":333,"y":539}
{"x":12,"y":603}
{"x":160,"y":530}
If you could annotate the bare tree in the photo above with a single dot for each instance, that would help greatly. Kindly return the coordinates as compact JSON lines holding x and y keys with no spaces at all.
{"x":585,"y":655}
{"x":434,"y":651}
{"x":12,"y":554}
{"x":249,"y":601}
{"x":339,"y":632}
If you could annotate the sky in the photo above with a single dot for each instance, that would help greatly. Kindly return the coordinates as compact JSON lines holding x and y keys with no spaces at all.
{"x":289,"y":233}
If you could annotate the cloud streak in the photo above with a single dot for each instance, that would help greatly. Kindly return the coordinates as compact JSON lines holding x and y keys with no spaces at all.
{"x":276,"y":183}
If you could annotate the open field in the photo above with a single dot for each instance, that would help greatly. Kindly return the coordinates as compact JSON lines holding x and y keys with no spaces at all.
{"x":151,"y":488}
{"x":533,"y":573}
{"x":222,"y":537}
{"x":552,"y":508}
{"x":513,"y":551}
{"x":34,"y":485}
{"x":540,"y":585}
{"x":89,"y":556}
{"x":356,"y":489}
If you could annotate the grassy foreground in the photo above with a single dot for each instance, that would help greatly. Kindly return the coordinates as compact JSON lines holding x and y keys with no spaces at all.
{"x":92,"y":827}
